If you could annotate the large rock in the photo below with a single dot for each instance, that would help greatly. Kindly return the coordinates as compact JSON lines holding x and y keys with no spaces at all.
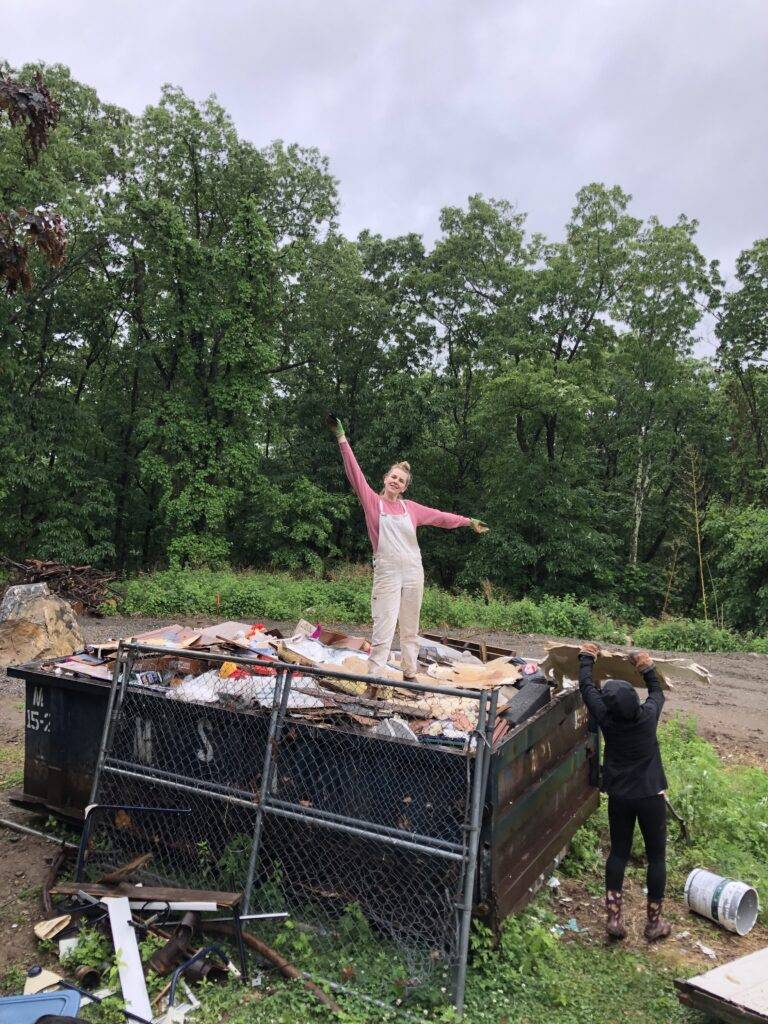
{"x":35,"y":624}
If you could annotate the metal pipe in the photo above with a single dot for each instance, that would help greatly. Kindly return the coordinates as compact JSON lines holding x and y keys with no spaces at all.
{"x":205,"y":785}
{"x":314,"y":813}
{"x":281,"y":914}
{"x":283,"y":683}
{"x":14,"y":826}
{"x":200,"y":954}
{"x":365,"y":834}
{"x":106,"y":731}
{"x":195,"y":790}
{"x":475,"y":818}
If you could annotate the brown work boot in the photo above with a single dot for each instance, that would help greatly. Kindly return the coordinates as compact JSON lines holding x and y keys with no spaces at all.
{"x":614,"y":923}
{"x":656,"y":927}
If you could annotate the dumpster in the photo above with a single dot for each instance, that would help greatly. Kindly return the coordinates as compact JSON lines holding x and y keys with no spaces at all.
{"x":538,"y":789}
{"x":63,"y":723}
{"x":376,"y":846}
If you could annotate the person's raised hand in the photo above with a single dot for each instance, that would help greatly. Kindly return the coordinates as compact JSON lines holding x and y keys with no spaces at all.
{"x":591,"y":649}
{"x":479,"y":526}
{"x":641,"y":660}
{"x":334,"y":424}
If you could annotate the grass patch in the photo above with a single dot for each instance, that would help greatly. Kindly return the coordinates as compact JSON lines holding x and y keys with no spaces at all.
{"x":535,"y":978}
{"x":695,"y":635}
{"x":347,"y":598}
{"x":11,"y":766}
{"x":532,"y":978}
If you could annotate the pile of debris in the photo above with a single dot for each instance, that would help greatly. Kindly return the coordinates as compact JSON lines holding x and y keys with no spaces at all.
{"x":86,"y":588}
{"x":178,"y":668}
{"x":192,"y":665}
{"x":159,"y":988}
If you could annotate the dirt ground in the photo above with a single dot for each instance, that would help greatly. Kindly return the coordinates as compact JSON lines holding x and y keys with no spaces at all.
{"x":732,"y":713}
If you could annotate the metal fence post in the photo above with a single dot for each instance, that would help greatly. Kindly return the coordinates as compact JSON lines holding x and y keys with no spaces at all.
{"x":279,"y":705}
{"x":484,"y":734}
{"x":120,"y":676}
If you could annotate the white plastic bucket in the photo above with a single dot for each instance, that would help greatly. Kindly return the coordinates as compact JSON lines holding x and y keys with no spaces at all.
{"x":734,"y":905}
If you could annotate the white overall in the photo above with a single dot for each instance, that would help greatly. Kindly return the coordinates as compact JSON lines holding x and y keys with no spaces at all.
{"x":398,"y":588}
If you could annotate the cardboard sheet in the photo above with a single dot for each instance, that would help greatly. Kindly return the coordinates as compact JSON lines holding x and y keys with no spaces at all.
{"x":562,"y":662}
{"x":498,"y":672}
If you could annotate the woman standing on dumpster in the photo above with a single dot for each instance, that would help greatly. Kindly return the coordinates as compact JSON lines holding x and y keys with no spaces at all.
{"x":633,"y":778}
{"x":398,"y":576}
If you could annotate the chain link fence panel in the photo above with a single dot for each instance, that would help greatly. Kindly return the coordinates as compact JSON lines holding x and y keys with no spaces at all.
{"x":253,"y":776}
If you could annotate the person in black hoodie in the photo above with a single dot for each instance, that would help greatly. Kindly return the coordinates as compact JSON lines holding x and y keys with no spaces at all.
{"x":633,"y":778}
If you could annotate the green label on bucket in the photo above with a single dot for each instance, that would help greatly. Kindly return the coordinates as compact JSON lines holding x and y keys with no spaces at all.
{"x":716,"y":898}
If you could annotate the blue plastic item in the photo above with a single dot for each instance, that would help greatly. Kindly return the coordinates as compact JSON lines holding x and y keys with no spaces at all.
{"x":28,"y":1009}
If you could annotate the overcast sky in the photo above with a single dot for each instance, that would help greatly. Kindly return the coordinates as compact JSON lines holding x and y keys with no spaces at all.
{"x":419,"y":103}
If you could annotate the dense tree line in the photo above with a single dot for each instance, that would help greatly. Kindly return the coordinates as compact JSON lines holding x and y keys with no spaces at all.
{"x":163,"y":388}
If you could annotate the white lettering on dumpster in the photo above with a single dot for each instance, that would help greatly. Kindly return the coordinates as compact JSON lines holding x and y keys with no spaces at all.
{"x":205,"y":752}
{"x":142,"y":741}
{"x":38,"y":721}
{"x":37,"y":697}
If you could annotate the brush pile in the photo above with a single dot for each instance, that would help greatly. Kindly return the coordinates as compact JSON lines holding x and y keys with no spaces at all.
{"x":84,"y":587}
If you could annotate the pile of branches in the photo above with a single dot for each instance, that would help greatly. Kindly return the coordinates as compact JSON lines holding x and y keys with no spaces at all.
{"x":85,"y":587}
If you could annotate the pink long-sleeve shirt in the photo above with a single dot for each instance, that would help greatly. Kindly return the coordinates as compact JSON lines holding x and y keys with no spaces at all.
{"x":421,"y":515}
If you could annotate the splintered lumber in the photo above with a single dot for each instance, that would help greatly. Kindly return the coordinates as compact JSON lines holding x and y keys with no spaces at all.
{"x":125,"y":871}
{"x":147,"y":893}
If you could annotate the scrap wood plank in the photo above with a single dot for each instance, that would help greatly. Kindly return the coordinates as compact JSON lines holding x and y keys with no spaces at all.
{"x":478,"y":648}
{"x":716,"y":1008}
{"x":126,"y":870}
{"x":736,"y":991}
{"x":159,"y":893}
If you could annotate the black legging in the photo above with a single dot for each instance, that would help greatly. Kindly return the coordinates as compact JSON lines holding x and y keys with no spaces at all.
{"x":651,"y":814}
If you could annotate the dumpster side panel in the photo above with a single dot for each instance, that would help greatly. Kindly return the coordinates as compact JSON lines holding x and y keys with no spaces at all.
{"x":540,"y":795}
{"x":63,"y":722}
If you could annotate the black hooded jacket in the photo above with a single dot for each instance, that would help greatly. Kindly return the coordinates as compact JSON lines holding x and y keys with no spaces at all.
{"x":632,"y":765}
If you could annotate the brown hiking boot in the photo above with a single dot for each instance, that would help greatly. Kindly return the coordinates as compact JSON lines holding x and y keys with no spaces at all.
{"x":614,"y":923}
{"x":656,"y":927}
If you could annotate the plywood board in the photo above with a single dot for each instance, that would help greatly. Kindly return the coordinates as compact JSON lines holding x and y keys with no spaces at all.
{"x":743,"y":982}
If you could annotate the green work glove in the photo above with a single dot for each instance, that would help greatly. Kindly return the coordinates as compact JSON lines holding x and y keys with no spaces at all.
{"x":479,"y":526}
{"x":335,"y":425}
